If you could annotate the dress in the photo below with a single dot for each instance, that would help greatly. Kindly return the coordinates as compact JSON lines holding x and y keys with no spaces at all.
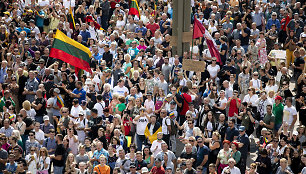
{"x":262,"y":52}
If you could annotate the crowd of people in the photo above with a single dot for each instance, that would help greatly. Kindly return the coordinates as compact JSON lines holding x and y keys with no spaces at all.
{"x":138,"y":107}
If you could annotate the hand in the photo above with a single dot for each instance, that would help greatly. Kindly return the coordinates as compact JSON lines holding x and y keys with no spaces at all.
{"x":261,"y":123}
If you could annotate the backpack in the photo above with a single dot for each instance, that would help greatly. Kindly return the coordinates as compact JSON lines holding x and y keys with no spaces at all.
{"x":173,"y":127}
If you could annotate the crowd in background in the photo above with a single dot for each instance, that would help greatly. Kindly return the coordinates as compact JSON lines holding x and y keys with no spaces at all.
{"x":138,"y":107}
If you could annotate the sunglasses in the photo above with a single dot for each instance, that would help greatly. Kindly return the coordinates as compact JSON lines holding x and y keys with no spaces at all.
{"x":32,"y":150}
{"x":64,"y":112}
{"x":31,"y":135}
{"x":191,"y":140}
{"x":52,"y":131}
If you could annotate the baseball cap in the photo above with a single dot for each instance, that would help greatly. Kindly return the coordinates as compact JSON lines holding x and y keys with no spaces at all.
{"x":241,"y":128}
{"x":81,"y":112}
{"x":295,"y":133}
{"x":132,"y":165}
{"x":144,"y":169}
{"x":57,"y":90}
{"x":46,"y":117}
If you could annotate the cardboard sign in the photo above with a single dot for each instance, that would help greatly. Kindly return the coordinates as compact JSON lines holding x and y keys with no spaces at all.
{"x":278,"y":54}
{"x":193,"y":65}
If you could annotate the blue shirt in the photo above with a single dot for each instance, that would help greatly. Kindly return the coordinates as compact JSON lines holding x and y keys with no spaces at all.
{"x":2,"y":74}
{"x":133,"y":52}
{"x":11,"y":168}
{"x":202,"y":151}
{"x":97,"y":155}
{"x":143,"y":30}
{"x":231,"y":133}
{"x":85,"y":35}
{"x":271,"y":22}
{"x":82,"y":92}
{"x":39,"y":20}
{"x":98,"y":57}
{"x":27,"y":30}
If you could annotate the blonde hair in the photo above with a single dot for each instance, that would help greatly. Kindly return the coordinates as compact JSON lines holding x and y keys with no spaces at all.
{"x":17,"y":134}
{"x":68,"y":164}
{"x":26,"y":105}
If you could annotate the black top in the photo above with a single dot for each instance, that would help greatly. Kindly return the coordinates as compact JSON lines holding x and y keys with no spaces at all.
{"x":60,"y":150}
{"x":42,"y":110}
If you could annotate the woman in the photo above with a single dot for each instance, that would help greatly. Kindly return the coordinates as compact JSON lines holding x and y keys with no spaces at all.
{"x":121,"y":106}
{"x":301,"y":135}
{"x":252,"y":169}
{"x":70,"y":164}
{"x":134,"y":81}
{"x":283,"y":168}
{"x":223,"y":156}
{"x":115,"y":143}
{"x":114,"y":103}
{"x":149,"y":104}
{"x":20,"y":124}
{"x":235,"y":153}
{"x":214,"y":146}
{"x":132,"y":154}
{"x":135,"y":68}
{"x":220,"y":105}
{"x":282,"y":145}
{"x":127,"y":65}
{"x":287,"y":154}
{"x":159,"y":101}
{"x":263,"y":162}
{"x":82,"y":156}
{"x":212,"y":168}
{"x":30,"y":111}
{"x":120,"y":22}
{"x":128,"y":123}
{"x":43,"y":161}
{"x":166,"y":163}
{"x":245,"y":62}
{"x":251,"y":99}
{"x":14,"y":88}
{"x":253,"y":51}
{"x":107,"y":95}
{"x":8,"y":76}
{"x":112,"y":158}
{"x":244,"y":81}
{"x":284,"y":131}
{"x":209,"y":125}
{"x":255,"y":82}
{"x":213,"y":69}
{"x":101,"y":137}
{"x":65,"y":68}
{"x":142,"y":86}
{"x":148,"y":157}
{"x":156,"y":145}
{"x":271,"y":85}
{"x":269,"y":70}
{"x":142,"y":44}
{"x":294,"y":141}
{"x":130,"y":105}
{"x":262,"y":52}
{"x":213,"y":96}
{"x":32,"y":160}
{"x":136,"y":108}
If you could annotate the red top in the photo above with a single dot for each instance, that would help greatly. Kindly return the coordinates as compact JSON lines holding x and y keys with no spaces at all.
{"x":233,"y":107}
{"x":153,"y":28}
{"x":113,"y":3}
{"x":284,"y":22}
{"x":127,"y":126}
{"x":156,"y":170}
{"x":186,"y":102}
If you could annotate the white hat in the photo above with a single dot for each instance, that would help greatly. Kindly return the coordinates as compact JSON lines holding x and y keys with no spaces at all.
{"x":117,"y":5}
{"x":144,"y":169}
{"x":81,"y":112}
{"x":46,"y":117}
{"x":295,"y":133}
{"x":57,"y":90}
{"x":88,"y":82}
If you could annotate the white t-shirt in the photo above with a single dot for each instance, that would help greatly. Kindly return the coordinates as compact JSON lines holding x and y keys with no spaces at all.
{"x":164,"y":126}
{"x":81,"y":124}
{"x":100,"y":107}
{"x":271,"y":88}
{"x":256,"y":83}
{"x":120,"y":91}
{"x":141,"y":124}
{"x":40,"y":135}
{"x":149,"y":105}
{"x":183,"y":82}
{"x":252,"y":99}
{"x":41,"y":161}
{"x":213,"y":71}
{"x":75,"y":111}
{"x":288,"y":114}
{"x":222,"y":101}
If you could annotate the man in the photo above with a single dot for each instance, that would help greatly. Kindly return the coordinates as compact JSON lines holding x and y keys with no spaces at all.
{"x":94,"y":123}
{"x":166,"y":69}
{"x":123,"y":163}
{"x":97,"y":153}
{"x":152,"y":26}
{"x":75,"y":110}
{"x":244,"y":143}
{"x":269,"y":119}
{"x":231,"y":168}
{"x":78,"y":92}
{"x":273,"y":20}
{"x":171,"y":155}
{"x":158,"y":168}
{"x":166,"y":126}
{"x":7,"y":96}
{"x":40,"y":106}
{"x":3,"y":70}
{"x":108,"y":56}
{"x":245,"y":35}
{"x":228,"y":89}
{"x":258,"y":18}
{"x":120,"y":89}
{"x":139,"y":162}
{"x":3,"y":157}
{"x":7,"y":129}
{"x":141,"y":122}
{"x":80,"y":123}
{"x":39,"y":134}
{"x":133,"y":50}
{"x":46,"y":126}
{"x":31,"y":87}
{"x":133,"y":169}
{"x":231,"y":132}
{"x":290,"y":114}
{"x":57,"y":158}
{"x":182,"y":102}
{"x":50,"y":142}
{"x":188,"y":154}
{"x":222,"y":126}
{"x":202,"y":155}
{"x":84,"y":33}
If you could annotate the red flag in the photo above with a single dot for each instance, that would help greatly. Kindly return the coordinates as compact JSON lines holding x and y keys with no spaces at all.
{"x":200,"y":31}
{"x":96,"y":24}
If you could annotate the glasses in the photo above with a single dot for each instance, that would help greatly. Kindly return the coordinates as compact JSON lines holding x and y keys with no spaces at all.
{"x":200,"y":142}
{"x":31,"y":135}
{"x":32,"y":150}
{"x":231,"y":162}
{"x":191,"y":140}
{"x":13,"y":80}
{"x":52,"y":131}
{"x":255,"y":74}
{"x":268,"y":134}
{"x":141,"y":41}
{"x":189,"y":123}
{"x":213,"y":60}
{"x":64,"y":112}
{"x":162,"y":112}
{"x":194,"y":88}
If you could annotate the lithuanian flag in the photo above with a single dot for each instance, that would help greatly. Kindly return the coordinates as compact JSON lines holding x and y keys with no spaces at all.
{"x":70,"y":19}
{"x":134,"y":9}
{"x":59,"y":102}
{"x":70,"y":51}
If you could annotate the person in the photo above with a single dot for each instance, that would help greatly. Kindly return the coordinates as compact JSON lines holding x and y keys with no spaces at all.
{"x":263,"y":162}
{"x":141,"y":123}
{"x":283,"y":168}
{"x":202,"y":155}
{"x":57,"y":158}
{"x":290,"y":114}
{"x":158,"y":168}
{"x":223,"y":156}
{"x":243,"y":143}
{"x":102,"y":167}
{"x":231,"y":168}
